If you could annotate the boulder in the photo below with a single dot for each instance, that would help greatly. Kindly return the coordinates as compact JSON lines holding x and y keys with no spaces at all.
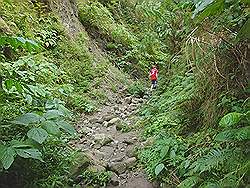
{"x":117,"y":167}
{"x":131,"y":151}
{"x":129,"y":141}
{"x":95,"y":160}
{"x":102,"y":139}
{"x":96,"y":168}
{"x":82,"y":162}
{"x":105,"y":124}
{"x":108,"y":117}
{"x":95,"y":120}
{"x":114,"y":180}
{"x":116,"y":108}
{"x":135,"y":100}
{"x":130,"y":162}
{"x":128,"y":100}
{"x":85,"y":130}
{"x":114,"y":121}
{"x":118,"y":159}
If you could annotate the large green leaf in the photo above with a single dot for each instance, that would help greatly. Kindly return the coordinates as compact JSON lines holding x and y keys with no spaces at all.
{"x":159,"y":168}
{"x":234,"y":134}
{"x":7,"y":155}
{"x":16,"y":144}
{"x":37,"y":134}
{"x":66,"y":127}
{"x":51,"y":127}
{"x":207,"y":8}
{"x":16,"y":42}
{"x":53,"y":114}
{"x":189,"y":182}
{"x":27,"y":119}
{"x":29,"y":153}
{"x":201,"y":5}
{"x":230,"y":119}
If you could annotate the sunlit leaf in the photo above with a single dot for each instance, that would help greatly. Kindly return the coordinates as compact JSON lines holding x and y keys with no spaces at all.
{"x":7,"y":155}
{"x":37,"y":134}
{"x":66,"y":127}
{"x":159,"y":168}
{"x":27,"y":119}
{"x":230,"y":119}
{"x":29,"y":153}
{"x":51,"y":127}
{"x":53,"y":114}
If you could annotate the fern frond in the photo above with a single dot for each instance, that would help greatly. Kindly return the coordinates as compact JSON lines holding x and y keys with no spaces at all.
{"x":189,"y":182}
{"x":234,"y":134}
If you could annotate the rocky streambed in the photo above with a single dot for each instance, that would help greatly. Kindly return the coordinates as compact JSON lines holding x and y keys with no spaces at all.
{"x":107,"y":139}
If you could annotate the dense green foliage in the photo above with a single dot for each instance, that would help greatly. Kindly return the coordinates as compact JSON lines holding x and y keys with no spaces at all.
{"x":45,"y":76}
{"x":198,"y":118}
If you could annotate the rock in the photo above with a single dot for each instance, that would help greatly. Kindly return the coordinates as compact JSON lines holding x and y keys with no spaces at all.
{"x":82,"y":162}
{"x":119,"y":126}
{"x":96,"y":168}
{"x":139,"y":182}
{"x":130,"y":162}
{"x":116,"y":108}
{"x":85,"y":130}
{"x":89,"y":134}
{"x":98,"y":154}
{"x":114,"y":180}
{"x":129,"y":141}
{"x":108,"y":151}
{"x":141,"y":100}
{"x":131,"y":151}
{"x":118,"y":159}
{"x":105,"y":124}
{"x":108,"y":117}
{"x":128,"y":100}
{"x":85,"y":122}
{"x":135,"y":100}
{"x":132,"y":107}
{"x":123,"y":115}
{"x":95,"y":120}
{"x":93,"y":157}
{"x":117,"y":112}
{"x":119,"y":101}
{"x":102,"y":139}
{"x":115,"y":142}
{"x":118,"y":167}
{"x":114,"y":121}
{"x":83,"y":140}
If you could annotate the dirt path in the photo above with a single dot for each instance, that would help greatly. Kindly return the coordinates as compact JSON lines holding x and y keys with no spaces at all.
{"x":106,"y":140}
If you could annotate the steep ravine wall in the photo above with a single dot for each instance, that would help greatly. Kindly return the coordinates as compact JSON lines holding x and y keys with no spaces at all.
{"x":68,"y":13}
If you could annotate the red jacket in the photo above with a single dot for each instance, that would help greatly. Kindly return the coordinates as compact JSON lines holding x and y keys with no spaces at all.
{"x":153,"y":74}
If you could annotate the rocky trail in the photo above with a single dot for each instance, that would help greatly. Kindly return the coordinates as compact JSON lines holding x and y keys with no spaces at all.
{"x":107,"y":139}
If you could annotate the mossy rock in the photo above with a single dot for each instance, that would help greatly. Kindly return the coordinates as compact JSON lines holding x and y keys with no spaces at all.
{"x":81,"y":164}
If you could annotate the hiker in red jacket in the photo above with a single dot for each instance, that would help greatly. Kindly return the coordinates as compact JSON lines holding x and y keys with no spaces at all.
{"x":153,"y":76}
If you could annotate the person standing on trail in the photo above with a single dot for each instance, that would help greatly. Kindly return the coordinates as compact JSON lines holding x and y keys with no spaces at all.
{"x":153,"y":77}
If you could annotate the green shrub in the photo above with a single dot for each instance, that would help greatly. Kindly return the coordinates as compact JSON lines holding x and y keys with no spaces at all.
{"x":137,"y":89}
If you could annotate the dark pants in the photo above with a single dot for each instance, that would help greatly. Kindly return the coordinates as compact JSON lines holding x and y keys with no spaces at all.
{"x":154,"y":83}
